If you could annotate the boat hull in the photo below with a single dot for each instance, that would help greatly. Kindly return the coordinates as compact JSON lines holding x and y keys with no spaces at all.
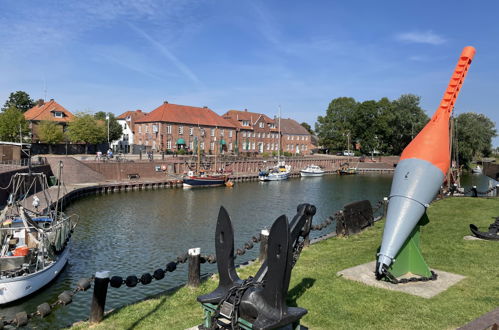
{"x":191,"y":182}
{"x":307,"y":173}
{"x":274,"y":177}
{"x":13,"y":289}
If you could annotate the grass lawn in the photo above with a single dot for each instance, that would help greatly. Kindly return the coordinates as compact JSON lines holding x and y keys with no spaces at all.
{"x":336,"y":303}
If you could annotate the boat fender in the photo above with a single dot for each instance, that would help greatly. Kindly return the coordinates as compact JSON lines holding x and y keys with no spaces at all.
{"x":83,"y":284}
{"x":159,"y":274}
{"x":212,"y":259}
{"x":116,"y":281}
{"x":202,"y":260}
{"x":240,"y":252}
{"x":163,"y":167}
{"x":248,"y":245}
{"x":44,"y":309}
{"x":21,"y":319}
{"x":171,"y":266}
{"x":146,"y":278}
{"x":131,"y":281}
{"x":65,"y":298}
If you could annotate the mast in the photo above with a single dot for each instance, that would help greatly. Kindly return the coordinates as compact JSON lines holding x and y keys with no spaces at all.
{"x":279,"y":148}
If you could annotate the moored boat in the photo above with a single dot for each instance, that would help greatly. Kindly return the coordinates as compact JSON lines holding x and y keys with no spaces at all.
{"x":312,"y":170}
{"x":34,"y":245}
{"x":203,"y":180}
{"x":277,"y":173}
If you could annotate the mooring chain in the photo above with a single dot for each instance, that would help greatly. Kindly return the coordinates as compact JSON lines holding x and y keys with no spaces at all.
{"x":392,"y":279}
{"x":378,"y":206}
{"x":44,"y":309}
{"x":146,"y":278}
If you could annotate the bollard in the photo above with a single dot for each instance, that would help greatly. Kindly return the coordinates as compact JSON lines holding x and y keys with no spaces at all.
{"x":101,"y":283}
{"x":194,"y":267}
{"x":264,"y":239}
{"x":474,"y":192}
{"x":497,"y":190}
{"x":385,"y":206}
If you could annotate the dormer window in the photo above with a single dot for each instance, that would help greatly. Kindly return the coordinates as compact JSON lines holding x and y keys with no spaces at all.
{"x":246,"y":123}
{"x":58,"y":114}
{"x":261,"y":124}
{"x":271,"y":125}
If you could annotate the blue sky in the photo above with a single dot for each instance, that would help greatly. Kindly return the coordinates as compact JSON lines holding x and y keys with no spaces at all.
{"x":116,"y":56}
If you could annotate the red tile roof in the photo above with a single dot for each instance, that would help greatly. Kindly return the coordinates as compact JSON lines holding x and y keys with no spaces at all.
{"x":247,"y":115}
{"x":134,"y":116}
{"x":46,"y":112}
{"x":290,"y":126}
{"x":175,"y":113}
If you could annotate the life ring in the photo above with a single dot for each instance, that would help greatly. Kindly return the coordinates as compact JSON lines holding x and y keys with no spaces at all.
{"x":163,"y":167}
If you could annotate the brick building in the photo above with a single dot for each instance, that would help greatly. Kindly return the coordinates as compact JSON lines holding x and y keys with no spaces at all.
{"x":172,"y":127}
{"x":256,"y":132}
{"x":127,"y":121}
{"x":47,"y":111}
{"x":295,"y":138}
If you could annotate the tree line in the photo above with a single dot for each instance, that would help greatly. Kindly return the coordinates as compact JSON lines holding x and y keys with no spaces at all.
{"x":387,"y":127}
{"x":87,"y":127}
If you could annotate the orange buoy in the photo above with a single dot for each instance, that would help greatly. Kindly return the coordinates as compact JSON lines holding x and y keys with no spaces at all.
{"x":21,"y":251}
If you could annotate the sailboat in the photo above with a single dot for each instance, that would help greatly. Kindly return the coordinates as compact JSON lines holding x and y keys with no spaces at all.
{"x":34,"y":244}
{"x":279,"y":172}
{"x":200,"y":178}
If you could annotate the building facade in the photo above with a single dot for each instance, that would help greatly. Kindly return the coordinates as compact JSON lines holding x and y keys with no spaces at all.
{"x":127,"y":121}
{"x":295,"y":138}
{"x":173,"y":127}
{"x":256,"y":132}
{"x":47,"y":111}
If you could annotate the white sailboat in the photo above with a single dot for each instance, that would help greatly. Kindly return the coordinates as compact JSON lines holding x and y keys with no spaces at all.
{"x":281,"y":171}
{"x":33,"y":244}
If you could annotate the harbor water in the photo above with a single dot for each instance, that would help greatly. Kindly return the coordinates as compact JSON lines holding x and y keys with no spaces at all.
{"x":135,"y":232}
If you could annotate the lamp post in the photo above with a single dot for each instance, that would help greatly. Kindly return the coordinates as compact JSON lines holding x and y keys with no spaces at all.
{"x":108,"y":143}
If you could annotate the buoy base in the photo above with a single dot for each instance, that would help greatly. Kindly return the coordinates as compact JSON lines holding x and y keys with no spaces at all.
{"x":409,"y":259}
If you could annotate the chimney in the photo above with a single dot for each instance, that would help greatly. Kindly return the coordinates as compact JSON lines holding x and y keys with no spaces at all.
{"x":139,"y":111}
{"x":246,"y":110}
{"x":40,"y":102}
{"x":52,"y":100}
{"x":165,"y":102}
{"x":204,"y":106}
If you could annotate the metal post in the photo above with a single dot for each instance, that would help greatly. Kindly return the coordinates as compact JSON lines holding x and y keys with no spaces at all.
{"x":474,"y":192}
{"x":385,"y":206}
{"x":101,"y":283}
{"x":497,"y":190}
{"x":264,"y":240}
{"x":194,"y":267}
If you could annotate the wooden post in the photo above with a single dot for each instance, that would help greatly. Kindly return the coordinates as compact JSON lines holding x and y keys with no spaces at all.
{"x":101,"y":283}
{"x":194,"y":267}
{"x":264,"y":239}
{"x":385,"y":206}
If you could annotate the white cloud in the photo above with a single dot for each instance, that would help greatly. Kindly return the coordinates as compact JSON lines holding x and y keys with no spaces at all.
{"x":427,"y":37}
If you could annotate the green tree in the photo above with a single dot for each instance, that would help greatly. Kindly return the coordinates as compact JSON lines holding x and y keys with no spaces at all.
{"x":19,"y":100}
{"x":336,"y":125}
{"x":404,"y":121}
{"x":51,"y":133}
{"x":307,"y":127}
{"x":85,"y":128}
{"x":12,"y":124}
{"x":115,"y":129}
{"x":474,"y":136}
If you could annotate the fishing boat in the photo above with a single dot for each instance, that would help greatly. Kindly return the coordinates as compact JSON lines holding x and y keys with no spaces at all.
{"x":345,"y":169}
{"x":312,"y":170}
{"x":279,"y":172}
{"x":201,"y":178}
{"x":34,"y":244}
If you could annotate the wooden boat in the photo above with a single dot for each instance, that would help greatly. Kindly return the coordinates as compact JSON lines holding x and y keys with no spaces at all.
{"x":345,"y":169}
{"x":312,"y":170}
{"x":34,"y":245}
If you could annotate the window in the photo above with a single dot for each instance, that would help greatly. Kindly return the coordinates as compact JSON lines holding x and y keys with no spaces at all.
{"x":212,"y":132}
{"x":147,"y":143}
{"x":202,"y":145}
{"x":268,"y":135}
{"x":268,"y":146}
{"x":261,"y":124}
{"x":230,"y":146}
{"x":202,"y":133}
{"x":58,"y":114}
{"x":191,"y":130}
{"x":140,"y":128}
{"x":254,"y":134}
{"x":212,"y":145}
{"x":222,"y":133}
{"x":191,"y":145}
{"x":181,"y":129}
{"x":272,"y":125}
{"x":155,"y":128}
{"x":244,"y":133}
{"x":124,"y":126}
{"x":246,"y":123}
{"x":253,"y":146}
{"x":275,"y":146}
{"x":147,"y":128}
{"x":168,"y":144}
{"x":230,"y":133}
{"x":168,"y":129}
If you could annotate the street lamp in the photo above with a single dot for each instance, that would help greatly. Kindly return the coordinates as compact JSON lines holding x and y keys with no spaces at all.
{"x":107,"y":118}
